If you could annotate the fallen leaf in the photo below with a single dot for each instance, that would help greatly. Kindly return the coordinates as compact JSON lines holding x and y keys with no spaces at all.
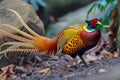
{"x":106,"y":54}
{"x":21,"y":69}
{"x":29,"y":67}
{"x":115,"y":54}
{"x":43,"y":71}
{"x":91,"y":58}
{"x":7,"y":72}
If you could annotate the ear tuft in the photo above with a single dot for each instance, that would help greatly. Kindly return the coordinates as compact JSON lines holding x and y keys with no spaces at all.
{"x":87,"y":21}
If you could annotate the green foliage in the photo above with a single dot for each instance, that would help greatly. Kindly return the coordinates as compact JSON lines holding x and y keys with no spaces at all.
{"x":101,"y":6}
{"x":110,"y":1}
{"x":90,"y":10}
{"x":37,"y":3}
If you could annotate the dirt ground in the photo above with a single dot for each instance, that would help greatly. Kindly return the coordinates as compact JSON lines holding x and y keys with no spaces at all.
{"x":63,"y":69}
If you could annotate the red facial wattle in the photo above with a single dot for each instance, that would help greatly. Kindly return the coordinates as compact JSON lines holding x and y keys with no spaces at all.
{"x":94,"y":22}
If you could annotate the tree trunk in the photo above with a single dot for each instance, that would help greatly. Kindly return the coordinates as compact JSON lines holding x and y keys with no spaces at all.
{"x":118,"y":25}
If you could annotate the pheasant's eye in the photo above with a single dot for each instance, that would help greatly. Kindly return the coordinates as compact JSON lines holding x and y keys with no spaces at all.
{"x":95,"y":21}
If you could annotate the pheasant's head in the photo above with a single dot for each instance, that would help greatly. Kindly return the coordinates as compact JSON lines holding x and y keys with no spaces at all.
{"x":93,"y":23}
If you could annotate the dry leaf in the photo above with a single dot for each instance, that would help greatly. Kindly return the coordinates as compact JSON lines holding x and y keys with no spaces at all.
{"x":7,"y":72}
{"x":29,"y":67}
{"x":115,"y":54}
{"x":46,"y":70}
{"x":91,"y":58}
{"x":106,"y":54}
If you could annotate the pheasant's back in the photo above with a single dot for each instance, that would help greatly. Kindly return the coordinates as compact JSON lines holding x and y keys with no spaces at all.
{"x":82,"y":41}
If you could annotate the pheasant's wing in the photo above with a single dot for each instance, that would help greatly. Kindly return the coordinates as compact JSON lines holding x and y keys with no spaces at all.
{"x":67,"y":34}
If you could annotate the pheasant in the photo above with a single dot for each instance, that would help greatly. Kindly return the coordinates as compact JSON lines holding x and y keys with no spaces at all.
{"x":73,"y":40}
{"x":83,"y":39}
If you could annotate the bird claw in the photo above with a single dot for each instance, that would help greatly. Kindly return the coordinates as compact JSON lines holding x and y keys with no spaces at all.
{"x":79,"y":66}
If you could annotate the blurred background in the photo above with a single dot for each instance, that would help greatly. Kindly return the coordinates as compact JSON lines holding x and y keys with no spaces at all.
{"x":58,"y":14}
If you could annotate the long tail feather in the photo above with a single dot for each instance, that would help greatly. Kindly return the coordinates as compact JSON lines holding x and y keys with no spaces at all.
{"x":19,"y":50}
{"x":25,"y":25}
{"x":14,"y":36}
{"x":19,"y":44}
{"x":19,"y":31}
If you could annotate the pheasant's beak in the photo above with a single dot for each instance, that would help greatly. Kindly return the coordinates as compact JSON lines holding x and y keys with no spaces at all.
{"x":99,"y":23}
{"x":100,"y":26}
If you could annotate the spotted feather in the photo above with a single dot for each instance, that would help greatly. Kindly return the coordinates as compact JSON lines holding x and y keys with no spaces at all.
{"x":81,"y":42}
{"x":74,"y":45}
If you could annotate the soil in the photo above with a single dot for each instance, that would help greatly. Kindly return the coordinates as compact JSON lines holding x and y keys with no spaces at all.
{"x":63,"y":69}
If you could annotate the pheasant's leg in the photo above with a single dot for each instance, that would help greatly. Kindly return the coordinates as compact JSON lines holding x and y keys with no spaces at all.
{"x":84,"y":62}
{"x":19,"y":31}
{"x":76,"y":61}
{"x":24,"y":24}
